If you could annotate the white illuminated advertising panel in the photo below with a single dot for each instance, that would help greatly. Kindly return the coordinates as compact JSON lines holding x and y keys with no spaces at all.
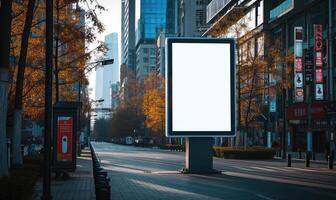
{"x":200,"y":84}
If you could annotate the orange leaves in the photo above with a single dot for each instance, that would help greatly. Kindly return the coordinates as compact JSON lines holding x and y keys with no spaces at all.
{"x":154,"y":103}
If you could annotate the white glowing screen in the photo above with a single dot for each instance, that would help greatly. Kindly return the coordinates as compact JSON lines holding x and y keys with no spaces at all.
{"x":201,"y":87}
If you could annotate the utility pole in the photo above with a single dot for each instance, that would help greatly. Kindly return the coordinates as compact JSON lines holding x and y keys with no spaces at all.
{"x":331,"y":51}
{"x":48,"y":102}
{"x":331,"y":95}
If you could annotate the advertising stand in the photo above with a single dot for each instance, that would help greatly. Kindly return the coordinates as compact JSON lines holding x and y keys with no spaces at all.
{"x":65,"y":122}
{"x":200,"y":96}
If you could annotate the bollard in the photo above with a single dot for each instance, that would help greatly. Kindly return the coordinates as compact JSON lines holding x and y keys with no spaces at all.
{"x":300,"y":155}
{"x":307,"y":159}
{"x":289,"y":160}
{"x":313,"y":156}
{"x":330,"y":161}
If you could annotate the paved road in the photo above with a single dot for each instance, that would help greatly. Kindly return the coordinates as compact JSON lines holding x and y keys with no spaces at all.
{"x":143,"y":173}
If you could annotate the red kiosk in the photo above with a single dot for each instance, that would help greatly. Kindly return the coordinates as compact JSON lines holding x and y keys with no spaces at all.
{"x":65,"y":123}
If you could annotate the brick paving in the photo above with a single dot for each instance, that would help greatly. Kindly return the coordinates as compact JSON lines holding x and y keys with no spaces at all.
{"x":80,"y":185}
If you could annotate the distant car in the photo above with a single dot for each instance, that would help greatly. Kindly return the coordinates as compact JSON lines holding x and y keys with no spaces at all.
{"x":129,"y":140}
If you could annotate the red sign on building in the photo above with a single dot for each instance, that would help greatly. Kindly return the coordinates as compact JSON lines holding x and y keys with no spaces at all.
{"x":299,"y":111}
{"x":64,"y":138}
{"x":318,"y":76}
{"x":298,"y":66}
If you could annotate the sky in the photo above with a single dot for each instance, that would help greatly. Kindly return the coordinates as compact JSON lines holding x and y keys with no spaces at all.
{"x":111,"y":18}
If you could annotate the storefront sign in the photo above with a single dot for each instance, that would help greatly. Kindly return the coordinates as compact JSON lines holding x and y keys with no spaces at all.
{"x":64,"y":138}
{"x":299,"y":111}
{"x":299,"y":95}
{"x":298,"y":65}
{"x":319,"y":75}
{"x":319,"y":91}
{"x":298,"y":80}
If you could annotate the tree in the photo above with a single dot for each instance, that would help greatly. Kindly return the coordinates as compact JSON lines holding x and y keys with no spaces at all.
{"x":252,"y":68}
{"x":5,"y":30}
{"x":154,"y":105}
{"x":28,"y":45}
{"x":17,"y":124}
{"x":129,"y":115}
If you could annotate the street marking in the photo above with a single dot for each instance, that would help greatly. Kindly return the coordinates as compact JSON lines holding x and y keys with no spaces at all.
{"x":279,"y":180}
{"x":281,"y":169}
{"x":263,"y":197}
{"x":162,"y":188}
{"x":245,"y":169}
{"x":264,"y":169}
{"x":165,"y":172}
{"x":304,"y":170}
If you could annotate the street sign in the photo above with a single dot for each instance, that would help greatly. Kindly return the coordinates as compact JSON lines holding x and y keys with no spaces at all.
{"x":200,"y":97}
{"x":107,"y":62}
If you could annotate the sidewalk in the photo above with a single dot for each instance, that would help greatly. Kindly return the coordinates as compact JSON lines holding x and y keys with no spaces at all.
{"x":80,"y":185}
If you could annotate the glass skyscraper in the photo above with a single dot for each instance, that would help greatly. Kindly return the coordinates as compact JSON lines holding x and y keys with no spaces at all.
{"x":153,"y":15}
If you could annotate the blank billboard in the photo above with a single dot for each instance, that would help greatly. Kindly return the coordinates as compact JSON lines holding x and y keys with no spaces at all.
{"x":200,"y":84}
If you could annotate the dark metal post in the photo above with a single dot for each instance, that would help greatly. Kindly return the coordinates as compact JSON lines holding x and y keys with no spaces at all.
{"x":330,"y":161}
{"x":289,"y":160}
{"x":330,"y":51}
{"x":307,"y":159}
{"x":48,"y":102}
{"x":284,"y":138}
{"x":79,"y":118}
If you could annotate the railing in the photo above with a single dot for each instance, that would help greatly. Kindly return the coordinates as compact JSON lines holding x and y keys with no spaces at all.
{"x":214,"y":7}
{"x":101,"y":180}
{"x":281,"y":9}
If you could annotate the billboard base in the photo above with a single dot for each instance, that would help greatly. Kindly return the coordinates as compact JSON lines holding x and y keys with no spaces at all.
{"x":199,"y":156}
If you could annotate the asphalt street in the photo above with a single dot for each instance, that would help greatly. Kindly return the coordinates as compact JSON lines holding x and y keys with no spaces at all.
{"x":145,"y":173}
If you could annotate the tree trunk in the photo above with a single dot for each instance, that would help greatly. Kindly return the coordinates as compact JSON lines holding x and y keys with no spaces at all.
{"x":5,"y":30}
{"x":56,"y":71}
{"x":17,"y":123}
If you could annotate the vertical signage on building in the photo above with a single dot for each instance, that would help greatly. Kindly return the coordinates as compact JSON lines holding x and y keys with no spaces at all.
{"x":64,"y":138}
{"x":318,"y":54}
{"x":298,"y":70}
{"x":308,"y":67}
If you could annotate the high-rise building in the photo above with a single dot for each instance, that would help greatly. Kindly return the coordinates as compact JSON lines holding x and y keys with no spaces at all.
{"x":127,"y":46}
{"x":107,"y":75}
{"x":172,"y":30}
{"x":306,"y":28}
{"x":155,"y":17}
{"x":152,"y":20}
{"x":128,"y":34}
{"x":244,"y":21}
{"x":111,"y":72}
{"x":193,"y":17}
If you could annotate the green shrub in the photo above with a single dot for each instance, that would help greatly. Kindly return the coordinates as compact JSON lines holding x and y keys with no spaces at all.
{"x":173,"y":147}
{"x":241,"y":153}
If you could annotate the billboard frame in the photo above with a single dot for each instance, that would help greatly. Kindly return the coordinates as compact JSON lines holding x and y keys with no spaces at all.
{"x":169,"y":121}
